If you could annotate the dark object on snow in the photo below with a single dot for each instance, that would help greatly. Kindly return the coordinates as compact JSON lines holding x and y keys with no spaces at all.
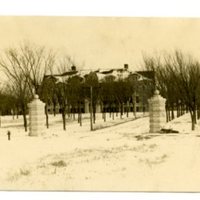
{"x":9,"y":133}
{"x":164,"y":130}
{"x":140,"y":137}
{"x":60,"y":163}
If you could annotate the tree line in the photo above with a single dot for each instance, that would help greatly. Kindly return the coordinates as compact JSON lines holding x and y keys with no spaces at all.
{"x":177,"y":76}
{"x":26,"y":67}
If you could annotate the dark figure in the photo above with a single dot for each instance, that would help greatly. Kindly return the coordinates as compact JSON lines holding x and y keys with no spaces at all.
{"x":9,"y":133}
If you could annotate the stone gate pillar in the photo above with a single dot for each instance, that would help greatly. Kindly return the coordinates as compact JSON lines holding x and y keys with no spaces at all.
{"x":157,"y":114}
{"x":36,"y":117}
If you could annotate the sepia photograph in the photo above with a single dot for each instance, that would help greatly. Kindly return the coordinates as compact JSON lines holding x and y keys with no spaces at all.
{"x":106,"y":104}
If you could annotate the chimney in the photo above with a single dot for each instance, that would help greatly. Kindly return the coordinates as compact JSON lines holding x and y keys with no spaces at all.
{"x":125,"y":66}
{"x":73,"y":68}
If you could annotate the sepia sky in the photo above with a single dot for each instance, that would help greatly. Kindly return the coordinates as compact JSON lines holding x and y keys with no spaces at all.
{"x":104,"y":42}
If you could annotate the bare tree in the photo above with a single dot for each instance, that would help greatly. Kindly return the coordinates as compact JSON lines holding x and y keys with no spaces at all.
{"x":47,"y":92}
{"x":92,"y":91}
{"x":36,"y":61}
{"x":178,"y":78}
{"x":107,"y":95}
{"x":75,"y":95}
{"x":62,"y":88}
{"x":186,"y":72}
{"x":25,"y":67}
{"x":18,"y":87}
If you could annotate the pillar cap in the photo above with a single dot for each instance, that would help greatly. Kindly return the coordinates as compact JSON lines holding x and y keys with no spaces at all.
{"x":36,"y":96}
{"x":156,"y":92}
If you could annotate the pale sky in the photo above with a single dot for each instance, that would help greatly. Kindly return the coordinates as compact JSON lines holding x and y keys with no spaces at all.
{"x":104,"y":42}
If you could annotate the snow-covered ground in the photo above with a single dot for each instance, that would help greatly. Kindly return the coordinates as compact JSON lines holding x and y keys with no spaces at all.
{"x":120,"y":157}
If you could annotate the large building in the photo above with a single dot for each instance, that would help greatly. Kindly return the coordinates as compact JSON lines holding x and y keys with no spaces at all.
{"x":143,"y":81}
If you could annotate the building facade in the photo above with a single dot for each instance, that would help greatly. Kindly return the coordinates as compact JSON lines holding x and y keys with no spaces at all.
{"x":142,"y":83}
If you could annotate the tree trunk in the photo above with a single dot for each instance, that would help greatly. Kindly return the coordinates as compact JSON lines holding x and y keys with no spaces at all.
{"x":54,"y":109}
{"x":47,"y":116}
{"x":127,"y":109}
{"x":134,"y":104}
{"x":167,"y":117}
{"x":172,"y":111}
{"x":79,"y":115}
{"x":25,"y":122}
{"x":103,"y":110}
{"x":168,"y":113}
{"x":104,"y":116}
{"x":193,"y":116}
{"x":94,"y":117}
{"x":17,"y":112}
{"x":79,"y":111}
{"x":183,"y":109}
{"x":193,"y":120}
{"x":94,"y":113}
{"x":64,"y":118}
{"x":178,"y":110}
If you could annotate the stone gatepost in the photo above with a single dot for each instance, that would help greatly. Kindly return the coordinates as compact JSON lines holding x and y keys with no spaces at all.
{"x":157,"y":115}
{"x":36,"y":117}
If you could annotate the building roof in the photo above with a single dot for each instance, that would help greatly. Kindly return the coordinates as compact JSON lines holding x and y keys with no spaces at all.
{"x":118,"y":73}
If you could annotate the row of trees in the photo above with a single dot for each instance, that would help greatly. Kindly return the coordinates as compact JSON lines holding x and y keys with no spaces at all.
{"x":25,"y":68}
{"x":177,"y":76}
{"x":113,"y":95}
{"x":178,"y":79}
